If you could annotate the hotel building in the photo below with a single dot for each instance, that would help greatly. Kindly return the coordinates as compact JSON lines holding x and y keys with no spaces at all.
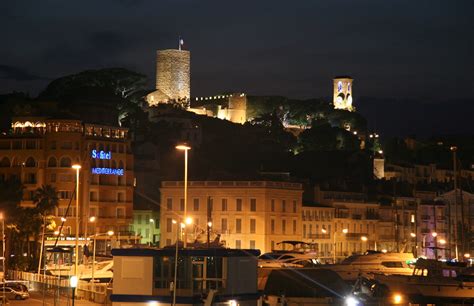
{"x":246,"y":214}
{"x":41,"y":151}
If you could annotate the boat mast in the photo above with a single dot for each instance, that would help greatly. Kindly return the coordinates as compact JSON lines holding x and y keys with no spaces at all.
{"x":454,"y":149}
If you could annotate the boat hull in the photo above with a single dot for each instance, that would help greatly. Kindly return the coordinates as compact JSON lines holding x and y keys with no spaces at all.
{"x":428,"y":287}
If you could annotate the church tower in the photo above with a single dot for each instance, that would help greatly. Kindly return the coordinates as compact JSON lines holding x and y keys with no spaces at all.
{"x":342,"y":93}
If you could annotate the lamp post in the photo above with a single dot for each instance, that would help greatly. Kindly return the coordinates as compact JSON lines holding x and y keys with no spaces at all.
{"x":77,"y":168}
{"x":175,"y":278}
{"x":92,"y":220}
{"x":344,"y":231}
{"x":365,"y":239}
{"x":435,"y":236}
{"x":185,"y":148}
{"x":413,"y":235}
{"x":73,"y":283}
{"x":2,"y":217}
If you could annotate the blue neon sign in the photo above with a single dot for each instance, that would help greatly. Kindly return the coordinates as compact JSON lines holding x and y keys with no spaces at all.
{"x":107,"y":171}
{"x":101,"y":154}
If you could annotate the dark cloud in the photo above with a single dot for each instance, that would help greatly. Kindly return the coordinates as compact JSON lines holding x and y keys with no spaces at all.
{"x":401,"y":48}
{"x":18,"y":74}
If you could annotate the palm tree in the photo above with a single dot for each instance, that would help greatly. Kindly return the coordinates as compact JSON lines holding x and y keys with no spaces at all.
{"x":11,"y":193}
{"x":46,"y":200}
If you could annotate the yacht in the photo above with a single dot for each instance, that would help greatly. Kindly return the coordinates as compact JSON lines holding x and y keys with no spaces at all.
{"x":103,"y":271}
{"x":301,"y":256}
{"x":432,"y":280}
{"x":373,"y":262}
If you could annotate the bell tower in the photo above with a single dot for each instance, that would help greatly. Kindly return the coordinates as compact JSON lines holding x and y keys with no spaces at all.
{"x":342,"y":93}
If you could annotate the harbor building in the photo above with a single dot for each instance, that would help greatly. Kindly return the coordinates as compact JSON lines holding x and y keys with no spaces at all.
{"x":244,"y":214}
{"x":217,"y":276}
{"x":40,"y":151}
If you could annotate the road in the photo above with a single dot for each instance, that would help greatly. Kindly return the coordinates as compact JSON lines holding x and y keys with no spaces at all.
{"x":36,"y":299}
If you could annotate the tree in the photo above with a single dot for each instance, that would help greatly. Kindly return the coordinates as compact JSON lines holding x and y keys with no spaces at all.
{"x":272,"y":133}
{"x":122,"y":82}
{"x":323,"y":137}
{"x":11,"y":192}
{"x":45,"y":199}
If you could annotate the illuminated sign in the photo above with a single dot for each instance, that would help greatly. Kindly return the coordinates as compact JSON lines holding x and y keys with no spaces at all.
{"x":101,"y":154}
{"x":108,"y":171}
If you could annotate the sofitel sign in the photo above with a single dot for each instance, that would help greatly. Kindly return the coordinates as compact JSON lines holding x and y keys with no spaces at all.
{"x":104,"y":155}
{"x":101,"y":154}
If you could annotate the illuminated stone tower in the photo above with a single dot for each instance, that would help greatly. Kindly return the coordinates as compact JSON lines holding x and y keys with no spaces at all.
{"x":342,"y":93}
{"x":173,"y":69}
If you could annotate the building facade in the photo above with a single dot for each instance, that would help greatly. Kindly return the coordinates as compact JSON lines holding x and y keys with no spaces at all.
{"x":146,"y":226}
{"x":246,"y":214}
{"x":41,"y":151}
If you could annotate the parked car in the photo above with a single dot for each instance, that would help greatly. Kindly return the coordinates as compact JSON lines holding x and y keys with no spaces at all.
{"x":16,"y":293}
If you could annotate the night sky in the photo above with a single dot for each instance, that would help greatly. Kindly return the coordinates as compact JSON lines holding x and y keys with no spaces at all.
{"x":394,"y":49}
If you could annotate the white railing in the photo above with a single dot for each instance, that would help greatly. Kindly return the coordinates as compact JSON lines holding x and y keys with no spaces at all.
{"x":91,"y":291}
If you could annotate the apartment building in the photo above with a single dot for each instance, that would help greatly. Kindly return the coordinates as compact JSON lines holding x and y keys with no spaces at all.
{"x":246,"y":214}
{"x":41,"y":151}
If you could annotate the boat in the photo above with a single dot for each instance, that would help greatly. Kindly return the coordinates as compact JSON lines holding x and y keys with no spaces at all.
{"x":103,"y":271}
{"x":432,"y":280}
{"x":300,"y":256}
{"x":373,"y":262}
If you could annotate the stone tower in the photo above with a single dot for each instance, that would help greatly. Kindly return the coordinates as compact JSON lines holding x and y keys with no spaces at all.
{"x":342,"y":93}
{"x":237,"y":110}
{"x":173,"y":68}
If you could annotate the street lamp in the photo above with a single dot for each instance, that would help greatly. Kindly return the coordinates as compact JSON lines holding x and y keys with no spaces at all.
{"x":92,"y":219}
{"x":413,"y":235}
{"x":77,"y":168}
{"x":73,"y":282}
{"x":2,"y":217}
{"x":344,"y":231}
{"x":185,"y":148}
{"x":175,"y":278}
{"x":365,"y":239}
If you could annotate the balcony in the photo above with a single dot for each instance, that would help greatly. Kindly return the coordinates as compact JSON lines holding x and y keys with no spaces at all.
{"x":341,"y":216}
{"x":357,"y":216}
{"x":319,"y":236}
{"x":354,"y":236}
{"x":372,"y":217}
{"x":426,"y":217}
{"x":386,"y":237}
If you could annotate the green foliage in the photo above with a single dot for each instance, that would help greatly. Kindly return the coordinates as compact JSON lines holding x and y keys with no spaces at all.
{"x":272,"y":132}
{"x":24,"y":223}
{"x":323,"y":137}
{"x":120,"y":81}
{"x":304,"y":112}
{"x":45,"y":199}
